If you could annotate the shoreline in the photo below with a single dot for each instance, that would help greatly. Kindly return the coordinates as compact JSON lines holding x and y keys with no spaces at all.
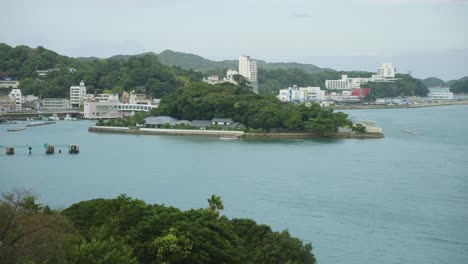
{"x":376,"y":106}
{"x":223,"y":133}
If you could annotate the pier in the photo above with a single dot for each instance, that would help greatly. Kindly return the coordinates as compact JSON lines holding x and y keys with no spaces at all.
{"x":48,"y":148}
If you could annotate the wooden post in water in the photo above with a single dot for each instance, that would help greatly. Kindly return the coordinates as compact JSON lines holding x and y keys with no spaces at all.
{"x":73,"y":149}
{"x":10,"y":151}
{"x":50,"y":149}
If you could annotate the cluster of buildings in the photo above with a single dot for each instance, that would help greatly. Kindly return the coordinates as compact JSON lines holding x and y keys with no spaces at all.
{"x":247,"y":68}
{"x":345,"y":90}
{"x":95,"y":106}
{"x":386,"y":73}
{"x":316,"y":95}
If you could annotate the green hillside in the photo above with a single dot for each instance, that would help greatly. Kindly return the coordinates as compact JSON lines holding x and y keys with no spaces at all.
{"x":195,"y":62}
{"x":433,"y":82}
{"x":460,"y":86}
{"x":120,"y":73}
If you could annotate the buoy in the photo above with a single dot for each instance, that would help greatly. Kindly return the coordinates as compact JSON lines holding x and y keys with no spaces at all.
{"x":73,"y":149}
{"x":29,"y":148}
{"x":10,"y":151}
{"x":50,"y":149}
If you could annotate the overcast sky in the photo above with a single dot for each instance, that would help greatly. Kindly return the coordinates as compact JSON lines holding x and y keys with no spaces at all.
{"x":425,"y":37}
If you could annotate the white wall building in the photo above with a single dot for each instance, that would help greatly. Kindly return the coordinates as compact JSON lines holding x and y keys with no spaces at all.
{"x":440,"y":93}
{"x":346,"y":83}
{"x":248,"y":69}
{"x":55,"y":103}
{"x":101,"y":110}
{"x":230,"y":75}
{"x":386,"y":73}
{"x":77,"y":95}
{"x":6,"y":82}
{"x":15,"y":95}
{"x":301,"y":94}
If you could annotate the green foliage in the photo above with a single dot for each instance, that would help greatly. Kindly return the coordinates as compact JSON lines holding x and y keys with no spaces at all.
{"x":215,"y":204}
{"x":28,"y":233}
{"x":359,"y":128}
{"x":264,"y":112}
{"x":433,"y":82}
{"x":114,"y":74}
{"x":195,"y":62}
{"x":159,"y":234}
{"x":406,"y":85}
{"x":460,"y":86}
{"x":130,"y":121}
{"x":265,"y":246}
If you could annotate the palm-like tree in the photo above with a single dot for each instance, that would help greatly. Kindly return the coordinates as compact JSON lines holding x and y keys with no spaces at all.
{"x":215,"y":204}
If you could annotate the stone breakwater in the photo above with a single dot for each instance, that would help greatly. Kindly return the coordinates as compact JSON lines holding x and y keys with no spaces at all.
{"x":223,"y":133}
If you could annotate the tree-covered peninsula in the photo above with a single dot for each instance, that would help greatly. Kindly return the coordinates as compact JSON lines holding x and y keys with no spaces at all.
{"x":127,"y":230}
{"x":201,"y":101}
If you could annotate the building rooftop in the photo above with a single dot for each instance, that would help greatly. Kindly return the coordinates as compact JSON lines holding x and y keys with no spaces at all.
{"x":160,"y":120}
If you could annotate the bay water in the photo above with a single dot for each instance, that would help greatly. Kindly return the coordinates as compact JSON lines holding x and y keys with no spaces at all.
{"x":400,"y":199}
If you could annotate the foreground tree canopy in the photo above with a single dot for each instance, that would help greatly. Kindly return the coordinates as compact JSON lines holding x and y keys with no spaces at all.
{"x":126,"y":230}
{"x":203,"y":101}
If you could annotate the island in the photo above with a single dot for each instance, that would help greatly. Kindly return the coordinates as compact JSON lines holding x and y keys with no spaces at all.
{"x":226,"y":109}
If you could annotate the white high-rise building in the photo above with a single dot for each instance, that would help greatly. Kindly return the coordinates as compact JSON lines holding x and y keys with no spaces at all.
{"x":248,"y":69}
{"x":77,"y":94}
{"x":15,"y":95}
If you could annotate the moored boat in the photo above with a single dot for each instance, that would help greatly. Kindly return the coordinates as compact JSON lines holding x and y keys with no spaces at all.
{"x":16,"y":129}
{"x":228,"y":137}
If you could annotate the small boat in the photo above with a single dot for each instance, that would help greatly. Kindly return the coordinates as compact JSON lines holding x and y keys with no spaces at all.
{"x":228,"y":137}
{"x":412,"y":132}
{"x":299,"y":140}
{"x":16,"y":129}
{"x":69,"y":118}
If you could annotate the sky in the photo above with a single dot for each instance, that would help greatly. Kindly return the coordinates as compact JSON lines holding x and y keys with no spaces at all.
{"x":424,"y":37}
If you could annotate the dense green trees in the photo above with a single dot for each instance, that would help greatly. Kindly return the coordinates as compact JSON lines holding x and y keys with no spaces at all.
{"x":126,"y":230}
{"x":406,"y":85}
{"x":265,"y":112}
{"x":144,"y":73}
{"x":460,"y":86}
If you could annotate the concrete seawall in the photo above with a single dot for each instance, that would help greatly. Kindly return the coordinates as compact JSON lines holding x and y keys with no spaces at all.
{"x":222,"y":133}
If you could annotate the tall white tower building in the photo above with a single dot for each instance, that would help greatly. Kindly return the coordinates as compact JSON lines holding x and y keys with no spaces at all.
{"x":15,"y":95}
{"x":77,"y":94}
{"x":248,"y":69}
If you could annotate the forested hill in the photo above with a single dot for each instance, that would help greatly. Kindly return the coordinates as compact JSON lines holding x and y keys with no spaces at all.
{"x":459,"y":86}
{"x":191,"y":61}
{"x":433,"y":82}
{"x":119,"y":74}
{"x":126,"y":230}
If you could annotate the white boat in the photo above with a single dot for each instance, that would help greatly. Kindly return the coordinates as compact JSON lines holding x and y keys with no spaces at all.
{"x":54,"y":117}
{"x":228,"y":138}
{"x":69,"y":118}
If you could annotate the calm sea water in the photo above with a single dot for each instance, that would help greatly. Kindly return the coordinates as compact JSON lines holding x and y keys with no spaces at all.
{"x":401,"y":199}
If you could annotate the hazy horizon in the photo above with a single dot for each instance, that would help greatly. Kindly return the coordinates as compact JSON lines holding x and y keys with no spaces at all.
{"x":425,"y":37}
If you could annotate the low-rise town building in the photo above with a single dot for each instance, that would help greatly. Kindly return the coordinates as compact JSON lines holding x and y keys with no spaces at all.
{"x":301,"y":94}
{"x":440,"y":93}
{"x":55,"y":103}
{"x":386,"y":73}
{"x":8,"y":82}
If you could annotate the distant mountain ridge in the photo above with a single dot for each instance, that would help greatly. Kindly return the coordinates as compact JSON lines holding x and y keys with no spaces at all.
{"x":192,"y":61}
{"x":195,"y":62}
